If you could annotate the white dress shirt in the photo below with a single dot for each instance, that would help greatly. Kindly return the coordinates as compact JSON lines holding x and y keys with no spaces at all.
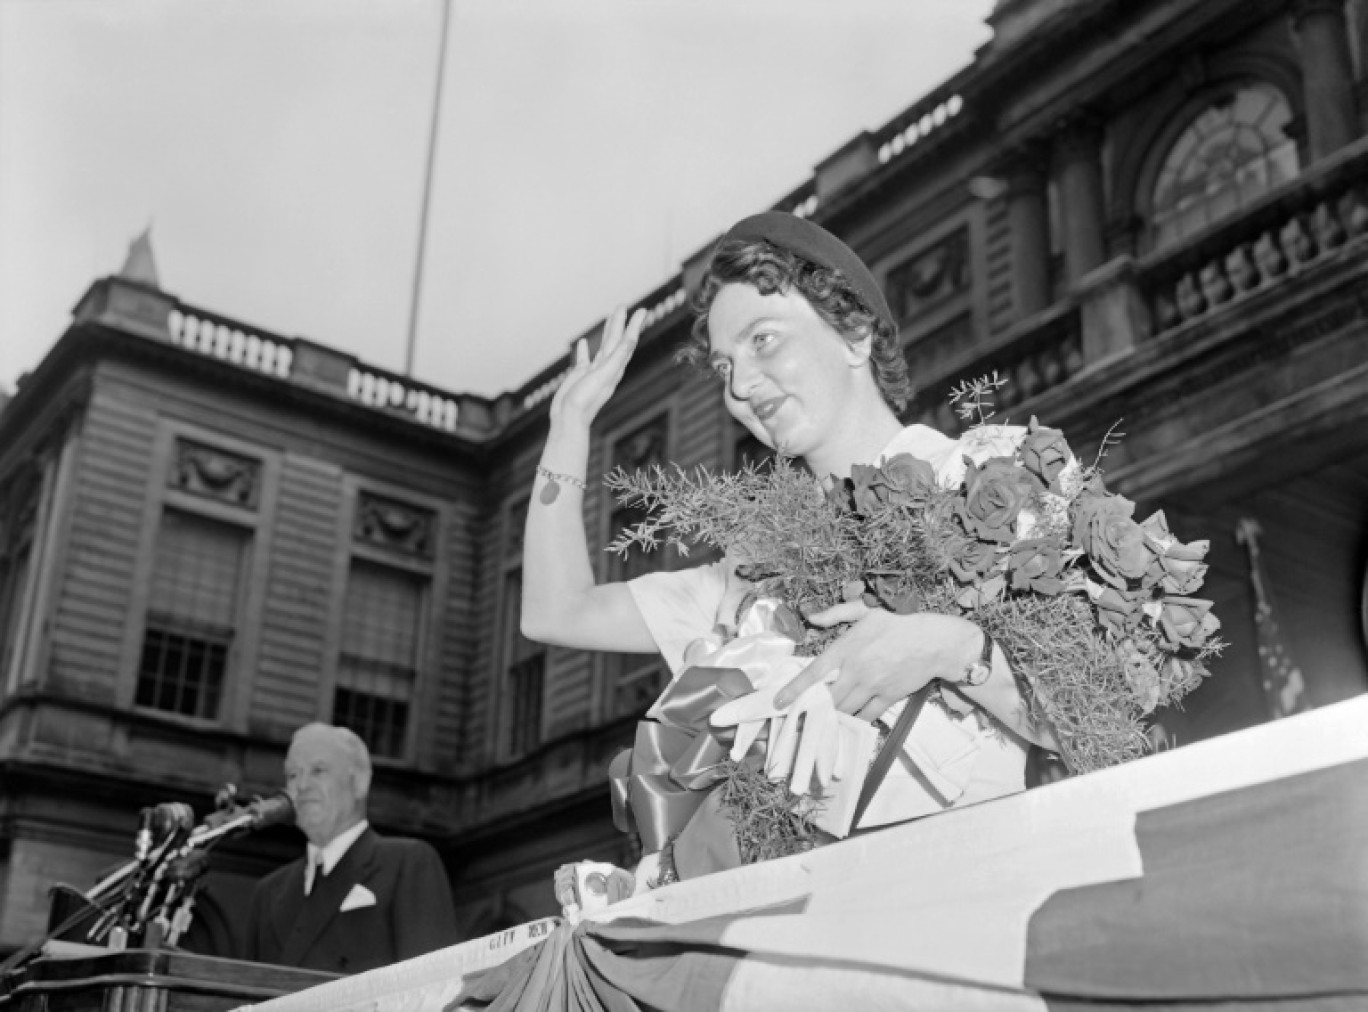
{"x":327,"y":856}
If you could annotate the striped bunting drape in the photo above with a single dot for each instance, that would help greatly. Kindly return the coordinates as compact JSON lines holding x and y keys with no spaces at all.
{"x":1230,"y":874}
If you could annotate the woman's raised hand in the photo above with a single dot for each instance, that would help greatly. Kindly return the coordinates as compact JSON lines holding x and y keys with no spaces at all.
{"x":591,"y":381}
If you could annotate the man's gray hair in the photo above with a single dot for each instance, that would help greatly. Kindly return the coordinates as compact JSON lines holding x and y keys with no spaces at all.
{"x":349,"y":741}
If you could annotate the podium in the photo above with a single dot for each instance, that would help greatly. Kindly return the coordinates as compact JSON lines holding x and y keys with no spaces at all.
{"x":148,"y":980}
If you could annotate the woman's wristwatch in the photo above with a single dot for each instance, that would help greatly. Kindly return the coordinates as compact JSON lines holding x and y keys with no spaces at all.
{"x":982,"y":668}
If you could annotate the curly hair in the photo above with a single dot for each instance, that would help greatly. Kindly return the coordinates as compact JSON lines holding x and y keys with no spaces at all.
{"x":769,"y":269}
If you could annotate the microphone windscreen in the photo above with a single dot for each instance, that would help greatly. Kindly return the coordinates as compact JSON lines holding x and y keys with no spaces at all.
{"x":172,"y":816}
{"x":277,"y":810}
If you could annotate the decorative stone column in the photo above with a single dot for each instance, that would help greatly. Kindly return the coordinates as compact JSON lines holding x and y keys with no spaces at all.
{"x":1112,"y":311}
{"x":1327,"y":73}
{"x":1078,"y":153}
{"x":1028,"y":218}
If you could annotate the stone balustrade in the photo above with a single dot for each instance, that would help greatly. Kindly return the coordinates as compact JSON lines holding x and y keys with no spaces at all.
{"x":145,"y":311}
{"x":1286,"y":232}
{"x":219,"y":337}
{"x":388,"y":392}
{"x":918,"y":123}
{"x":1045,"y":351}
{"x":1123,"y":304}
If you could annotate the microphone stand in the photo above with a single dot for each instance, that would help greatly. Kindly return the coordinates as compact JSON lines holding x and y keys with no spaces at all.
{"x":154,"y":894}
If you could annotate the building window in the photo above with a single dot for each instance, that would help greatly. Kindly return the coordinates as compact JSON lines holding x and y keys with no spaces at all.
{"x":524,"y":673}
{"x":191,"y":615}
{"x":14,"y":574}
{"x":1232,"y":152}
{"x":378,"y":665}
{"x":18,"y":526}
{"x":639,"y":450}
{"x":634,"y":680}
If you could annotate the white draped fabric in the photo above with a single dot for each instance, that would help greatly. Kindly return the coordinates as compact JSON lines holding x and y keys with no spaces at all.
{"x":930,"y":914}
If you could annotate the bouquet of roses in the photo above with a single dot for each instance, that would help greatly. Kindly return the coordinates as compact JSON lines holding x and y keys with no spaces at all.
{"x":1094,"y":609}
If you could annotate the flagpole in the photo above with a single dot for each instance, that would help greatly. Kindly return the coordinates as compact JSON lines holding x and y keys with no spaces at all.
{"x":427,"y":192}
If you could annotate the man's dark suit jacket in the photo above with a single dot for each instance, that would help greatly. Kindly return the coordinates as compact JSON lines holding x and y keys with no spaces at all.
{"x":412,"y":913}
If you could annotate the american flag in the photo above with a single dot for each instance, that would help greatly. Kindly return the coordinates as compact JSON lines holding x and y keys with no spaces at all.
{"x":1283,"y":685}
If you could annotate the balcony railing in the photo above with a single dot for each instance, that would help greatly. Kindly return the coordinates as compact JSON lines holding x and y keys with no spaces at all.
{"x":1289,"y":230}
{"x":1309,"y":221}
{"x":1044,"y":352}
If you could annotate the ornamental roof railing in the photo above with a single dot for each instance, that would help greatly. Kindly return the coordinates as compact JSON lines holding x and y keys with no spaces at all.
{"x":148,"y":312}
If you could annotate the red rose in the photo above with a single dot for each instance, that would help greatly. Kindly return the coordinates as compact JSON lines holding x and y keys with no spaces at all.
{"x":994,"y":495}
{"x":1117,"y":612}
{"x":1036,"y":565}
{"x":1045,"y":454}
{"x":907,"y":480}
{"x":1182,"y":568}
{"x":1104,"y":529}
{"x":1187,"y":621}
{"x":1177,"y":568}
{"x":970,"y":559}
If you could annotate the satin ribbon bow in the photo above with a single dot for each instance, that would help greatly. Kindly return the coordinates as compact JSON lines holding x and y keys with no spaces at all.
{"x":660,"y":782}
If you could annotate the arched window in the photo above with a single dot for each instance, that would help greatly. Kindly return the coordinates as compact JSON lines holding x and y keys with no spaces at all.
{"x":1233,"y":150}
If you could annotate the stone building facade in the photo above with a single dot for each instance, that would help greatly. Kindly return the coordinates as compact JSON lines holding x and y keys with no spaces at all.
{"x":1147,"y":213}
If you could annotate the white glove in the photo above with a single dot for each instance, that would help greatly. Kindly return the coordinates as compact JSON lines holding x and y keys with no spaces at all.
{"x":767,"y":660}
{"x":804,"y":738}
{"x":808,"y":742}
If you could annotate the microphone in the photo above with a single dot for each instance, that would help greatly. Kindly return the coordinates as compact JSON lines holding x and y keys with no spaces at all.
{"x":159,"y":822}
{"x":188,"y":866}
{"x":277,"y":810}
{"x":172,"y":817}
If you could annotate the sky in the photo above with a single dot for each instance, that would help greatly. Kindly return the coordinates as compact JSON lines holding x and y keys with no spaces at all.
{"x":277,"y":150}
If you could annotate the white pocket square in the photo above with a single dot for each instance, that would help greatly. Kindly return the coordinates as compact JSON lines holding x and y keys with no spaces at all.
{"x":359,"y":897}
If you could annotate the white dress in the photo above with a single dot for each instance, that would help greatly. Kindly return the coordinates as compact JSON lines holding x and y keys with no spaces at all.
{"x":955,"y":754}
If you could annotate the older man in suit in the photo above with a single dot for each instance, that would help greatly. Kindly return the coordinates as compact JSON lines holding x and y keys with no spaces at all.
{"x":356,"y":900}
